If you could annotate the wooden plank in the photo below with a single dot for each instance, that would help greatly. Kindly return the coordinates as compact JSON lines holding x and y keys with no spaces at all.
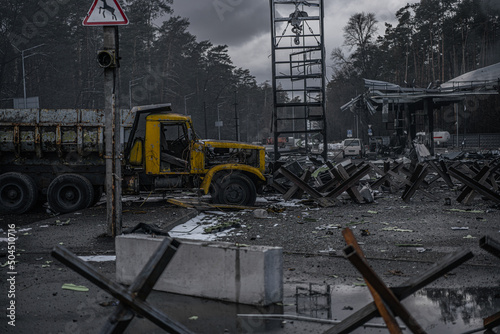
{"x":203,"y":206}
{"x":386,"y":314}
{"x":492,"y":321}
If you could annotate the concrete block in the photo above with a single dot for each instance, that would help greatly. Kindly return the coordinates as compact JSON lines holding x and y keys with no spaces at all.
{"x":216,"y":270}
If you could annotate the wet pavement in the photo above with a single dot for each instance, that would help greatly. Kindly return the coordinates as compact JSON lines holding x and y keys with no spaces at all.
{"x":318,"y":282}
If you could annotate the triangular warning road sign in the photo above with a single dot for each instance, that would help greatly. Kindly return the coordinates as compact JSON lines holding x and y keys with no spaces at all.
{"x":105,"y":13}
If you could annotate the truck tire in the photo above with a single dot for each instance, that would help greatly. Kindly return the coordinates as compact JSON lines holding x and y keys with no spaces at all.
{"x":235,"y":189}
{"x":18,"y":193}
{"x":70,"y":192}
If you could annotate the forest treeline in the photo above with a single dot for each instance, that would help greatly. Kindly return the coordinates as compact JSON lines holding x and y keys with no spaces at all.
{"x":433,"y":41}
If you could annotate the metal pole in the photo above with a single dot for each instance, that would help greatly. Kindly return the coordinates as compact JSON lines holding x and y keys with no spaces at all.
{"x":205,"y":115}
{"x":218,"y":121}
{"x":24,"y":72}
{"x":131,"y":83}
{"x":186,"y":97}
{"x":24,"y":79}
{"x":236,"y":118}
{"x":456,"y":113}
{"x":112,"y":139}
{"x":130,"y":94}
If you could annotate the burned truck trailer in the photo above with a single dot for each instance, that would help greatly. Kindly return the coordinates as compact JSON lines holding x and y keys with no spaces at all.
{"x":59,"y":155}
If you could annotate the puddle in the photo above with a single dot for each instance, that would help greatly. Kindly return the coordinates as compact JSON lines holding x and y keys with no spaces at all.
{"x":436,"y":310}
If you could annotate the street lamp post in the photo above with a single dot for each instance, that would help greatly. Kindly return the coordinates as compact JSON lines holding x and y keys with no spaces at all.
{"x":218,"y":118}
{"x":24,"y":72}
{"x":130,"y":85}
{"x":186,"y":97}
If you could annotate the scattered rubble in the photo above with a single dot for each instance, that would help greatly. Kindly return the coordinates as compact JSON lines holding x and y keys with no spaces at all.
{"x":364,"y":181}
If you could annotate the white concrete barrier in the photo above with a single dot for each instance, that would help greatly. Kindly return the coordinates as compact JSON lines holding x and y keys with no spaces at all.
{"x":248,"y":275}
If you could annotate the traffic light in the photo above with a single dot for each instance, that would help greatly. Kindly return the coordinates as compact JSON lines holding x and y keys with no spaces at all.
{"x":106,"y":58}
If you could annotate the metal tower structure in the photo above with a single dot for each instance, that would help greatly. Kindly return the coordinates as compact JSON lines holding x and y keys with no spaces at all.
{"x":298,"y":68}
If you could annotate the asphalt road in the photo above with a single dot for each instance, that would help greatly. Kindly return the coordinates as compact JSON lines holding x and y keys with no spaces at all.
{"x":400,"y":241}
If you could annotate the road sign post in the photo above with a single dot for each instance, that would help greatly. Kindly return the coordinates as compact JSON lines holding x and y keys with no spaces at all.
{"x":108,"y":13}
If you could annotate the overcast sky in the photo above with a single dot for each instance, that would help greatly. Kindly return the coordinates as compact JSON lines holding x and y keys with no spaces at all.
{"x":244,"y":25}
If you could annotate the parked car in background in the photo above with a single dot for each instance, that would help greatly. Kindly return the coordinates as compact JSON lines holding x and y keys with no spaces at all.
{"x":352,"y":147}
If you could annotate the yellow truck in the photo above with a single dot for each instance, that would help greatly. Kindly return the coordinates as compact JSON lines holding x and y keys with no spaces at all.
{"x":59,"y":155}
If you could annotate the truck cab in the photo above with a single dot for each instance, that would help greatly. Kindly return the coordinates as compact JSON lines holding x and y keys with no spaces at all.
{"x":165,"y":148}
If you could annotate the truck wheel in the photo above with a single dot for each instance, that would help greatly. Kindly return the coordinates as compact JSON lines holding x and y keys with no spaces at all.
{"x":70,"y":192}
{"x":18,"y":193}
{"x":235,"y":189}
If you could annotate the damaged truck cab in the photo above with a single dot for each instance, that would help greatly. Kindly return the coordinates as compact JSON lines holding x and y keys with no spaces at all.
{"x":168,"y":154}
{"x":162,"y":152}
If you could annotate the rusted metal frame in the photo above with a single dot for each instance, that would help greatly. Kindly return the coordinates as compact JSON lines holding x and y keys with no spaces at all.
{"x":481,"y":177}
{"x":442,"y":171}
{"x":142,"y":286}
{"x":406,"y":171}
{"x":116,"y":290}
{"x":343,"y":186}
{"x":278,"y":187}
{"x":492,"y":179}
{"x":387,"y":295}
{"x":329,"y":185}
{"x":475,"y":185}
{"x":386,"y":175}
{"x":335,"y":181}
{"x":416,"y":180}
{"x":488,"y":180}
{"x":352,"y":191}
{"x":301,"y":184}
{"x":294,"y":190}
{"x":490,"y":245}
{"x":322,"y":187}
{"x":386,"y":314}
{"x":438,"y":269}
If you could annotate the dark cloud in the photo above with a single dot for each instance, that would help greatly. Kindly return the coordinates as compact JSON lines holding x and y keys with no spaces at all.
{"x":231,"y":22}
{"x":244,"y":25}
